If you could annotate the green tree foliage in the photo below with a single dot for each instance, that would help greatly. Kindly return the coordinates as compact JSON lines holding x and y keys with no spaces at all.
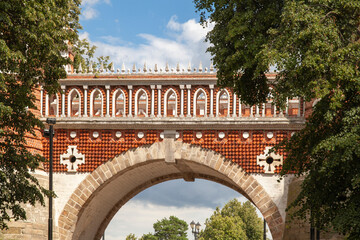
{"x":234,"y":221}
{"x":149,"y":236}
{"x":131,"y":236}
{"x":315,"y":46}
{"x":84,"y":54}
{"x":32,"y":38}
{"x":168,"y":229}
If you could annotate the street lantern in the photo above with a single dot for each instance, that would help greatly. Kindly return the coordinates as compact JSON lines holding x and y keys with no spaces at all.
{"x":50,"y":133}
{"x":195,"y":229}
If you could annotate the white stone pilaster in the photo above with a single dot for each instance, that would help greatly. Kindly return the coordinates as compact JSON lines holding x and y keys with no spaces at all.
{"x":63,"y":88}
{"x":263,"y":110}
{"x":240,"y":110}
{"x":257,"y":111}
{"x":159,"y":100}
{"x":41,"y":100}
{"x":211,"y":100}
{"x":85,"y":87}
{"x":182,"y":101}
{"x":234,"y":104}
{"x":188,"y":100}
{"x":152,"y":100}
{"x":46,"y":105}
{"x":107,"y":87}
{"x":130,"y":87}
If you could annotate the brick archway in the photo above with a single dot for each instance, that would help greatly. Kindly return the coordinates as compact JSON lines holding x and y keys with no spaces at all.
{"x":102,"y":193}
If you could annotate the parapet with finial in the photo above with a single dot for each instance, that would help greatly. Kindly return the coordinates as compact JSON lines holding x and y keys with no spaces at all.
{"x":167,"y":69}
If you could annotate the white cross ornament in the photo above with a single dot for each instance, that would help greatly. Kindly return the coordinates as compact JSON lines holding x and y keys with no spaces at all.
{"x":269,"y":160}
{"x":72,"y":159}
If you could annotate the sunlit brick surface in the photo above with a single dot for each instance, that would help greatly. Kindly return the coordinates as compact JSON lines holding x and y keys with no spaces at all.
{"x":97,"y":151}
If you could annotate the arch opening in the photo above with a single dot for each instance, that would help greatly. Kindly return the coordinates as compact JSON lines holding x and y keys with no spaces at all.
{"x":170,"y":103}
{"x":141,"y":109}
{"x":189,"y":201}
{"x":99,"y":197}
{"x":74,"y":103}
{"x":200,"y":103}
{"x":119,"y":103}
{"x":96,"y":107}
{"x":223,"y":103}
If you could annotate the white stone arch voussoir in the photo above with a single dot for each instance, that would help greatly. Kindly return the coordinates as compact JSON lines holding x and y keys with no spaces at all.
{"x":103,"y":192}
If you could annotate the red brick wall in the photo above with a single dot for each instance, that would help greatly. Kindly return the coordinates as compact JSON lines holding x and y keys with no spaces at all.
{"x":107,"y":146}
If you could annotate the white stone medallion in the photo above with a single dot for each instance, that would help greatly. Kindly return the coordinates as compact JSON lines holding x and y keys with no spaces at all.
{"x":246,"y":135}
{"x":221,"y":135}
{"x":72,"y":159}
{"x":269,"y":160}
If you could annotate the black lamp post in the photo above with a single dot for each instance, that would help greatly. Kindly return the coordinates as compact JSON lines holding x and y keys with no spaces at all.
{"x":195,"y":228}
{"x":50,"y":133}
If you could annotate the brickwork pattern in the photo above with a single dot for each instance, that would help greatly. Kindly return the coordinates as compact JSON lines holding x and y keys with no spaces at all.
{"x":99,"y":150}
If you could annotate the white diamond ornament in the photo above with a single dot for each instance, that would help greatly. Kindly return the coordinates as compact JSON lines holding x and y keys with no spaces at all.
{"x":72,"y":158}
{"x":269,"y":160}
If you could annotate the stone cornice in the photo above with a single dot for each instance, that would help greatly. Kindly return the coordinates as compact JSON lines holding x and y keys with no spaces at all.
{"x":144,"y":79}
{"x":183,"y":123}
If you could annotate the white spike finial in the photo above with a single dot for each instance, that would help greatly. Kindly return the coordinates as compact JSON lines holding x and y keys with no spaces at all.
{"x":134,"y":68}
{"x":167,"y":67}
{"x":178,"y":67}
{"x":112,"y":69}
{"x":200,"y":67}
{"x":189,"y":67}
{"x":211,"y":67}
{"x":123,"y":69}
{"x":156,"y":68}
{"x":80,"y":68}
{"x":145,"y":68}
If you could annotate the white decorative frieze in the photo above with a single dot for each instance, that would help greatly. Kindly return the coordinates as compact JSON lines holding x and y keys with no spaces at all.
{"x":269,"y":160}
{"x":72,"y":158}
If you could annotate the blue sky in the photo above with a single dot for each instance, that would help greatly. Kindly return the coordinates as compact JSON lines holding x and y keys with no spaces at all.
{"x":154,"y":31}
{"x":151,"y":31}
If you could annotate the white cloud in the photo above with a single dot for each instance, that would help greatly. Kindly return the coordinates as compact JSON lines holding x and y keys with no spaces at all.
{"x":88,"y":8}
{"x":186,"y":200}
{"x":84,"y":35}
{"x":138,"y":217}
{"x":184,"y":44}
{"x":89,"y":13}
